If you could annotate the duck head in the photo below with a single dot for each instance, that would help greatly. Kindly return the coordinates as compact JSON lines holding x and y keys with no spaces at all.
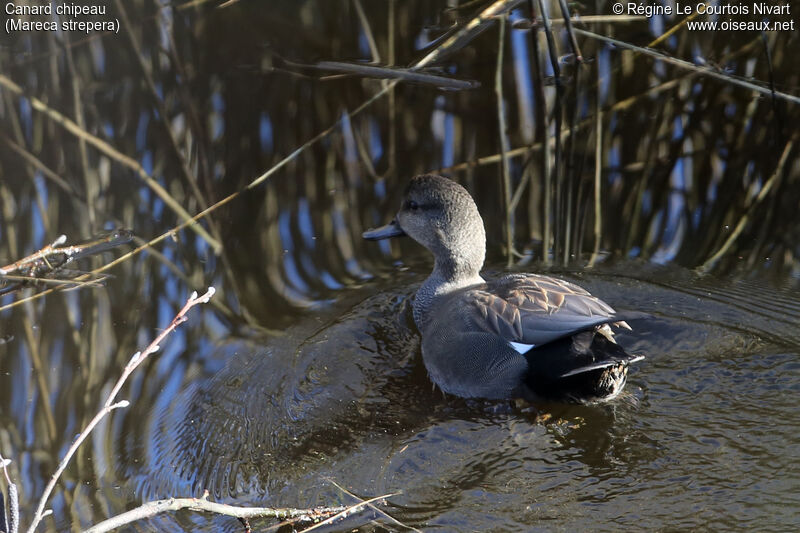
{"x":440,"y":214}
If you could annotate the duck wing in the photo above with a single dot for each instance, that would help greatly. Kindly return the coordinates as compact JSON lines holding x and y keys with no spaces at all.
{"x":528,"y":309}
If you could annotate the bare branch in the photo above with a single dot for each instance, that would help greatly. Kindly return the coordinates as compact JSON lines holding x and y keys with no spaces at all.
{"x":109,"y":406}
{"x":154,"y":508}
{"x":13,"y":502}
{"x":349,"y":510}
{"x":379,"y":511}
{"x":139,"y":357}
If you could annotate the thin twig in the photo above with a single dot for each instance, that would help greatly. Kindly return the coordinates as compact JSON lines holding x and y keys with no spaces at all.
{"x":551,"y":42}
{"x":379,"y":511}
{"x":41,"y":373}
{"x":520,"y":188}
{"x":570,"y":175}
{"x":139,"y":357}
{"x":97,"y":282}
{"x":556,"y":167}
{"x":392,"y":158}
{"x":541,"y":133}
{"x":568,"y":26}
{"x":381,"y":72}
{"x":501,"y":124}
{"x":12,"y":526}
{"x":195,"y":3}
{"x":156,"y":507}
{"x":705,"y":71}
{"x":778,"y":122}
{"x":40,"y":511}
{"x":468,"y":31}
{"x":602,"y":19}
{"x":364,"y":155}
{"x":744,"y":219}
{"x":90,"y":184}
{"x":362,"y":18}
{"x":670,"y":32}
{"x":350,"y":510}
{"x":109,"y":405}
{"x":35,"y":162}
{"x":598,"y":171}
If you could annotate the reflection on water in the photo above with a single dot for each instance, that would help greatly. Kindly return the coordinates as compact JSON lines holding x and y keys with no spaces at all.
{"x":306,"y":367}
{"x":701,"y":423}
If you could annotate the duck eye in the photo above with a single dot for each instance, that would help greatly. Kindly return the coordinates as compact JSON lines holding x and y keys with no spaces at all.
{"x":413,"y":205}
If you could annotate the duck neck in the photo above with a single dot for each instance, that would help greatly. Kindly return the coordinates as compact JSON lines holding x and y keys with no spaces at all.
{"x":454,"y":269}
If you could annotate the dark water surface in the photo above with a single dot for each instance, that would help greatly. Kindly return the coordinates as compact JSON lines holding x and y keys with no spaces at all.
{"x":305,"y":370}
{"x":704,"y":434}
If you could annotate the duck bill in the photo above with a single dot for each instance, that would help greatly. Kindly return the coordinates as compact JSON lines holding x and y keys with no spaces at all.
{"x":392,"y":229}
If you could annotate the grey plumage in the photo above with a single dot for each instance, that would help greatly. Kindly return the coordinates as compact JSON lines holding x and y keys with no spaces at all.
{"x":474,"y":332}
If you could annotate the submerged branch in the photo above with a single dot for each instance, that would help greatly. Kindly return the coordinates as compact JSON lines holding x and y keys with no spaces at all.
{"x":373,"y":507}
{"x":349,"y":510}
{"x":156,"y":507}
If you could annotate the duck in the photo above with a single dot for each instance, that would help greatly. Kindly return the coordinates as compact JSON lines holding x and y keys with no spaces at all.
{"x":522,"y":336}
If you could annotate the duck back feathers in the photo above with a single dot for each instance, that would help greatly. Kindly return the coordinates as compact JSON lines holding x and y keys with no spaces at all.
{"x":524,"y":335}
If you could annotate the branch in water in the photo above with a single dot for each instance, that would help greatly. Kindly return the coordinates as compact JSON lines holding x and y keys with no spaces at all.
{"x":156,"y":507}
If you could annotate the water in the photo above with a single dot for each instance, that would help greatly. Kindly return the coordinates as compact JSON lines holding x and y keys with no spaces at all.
{"x":305,"y":372}
{"x":703,"y":435}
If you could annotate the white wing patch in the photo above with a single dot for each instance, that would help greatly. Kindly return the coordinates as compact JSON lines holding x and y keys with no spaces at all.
{"x":521,"y":348}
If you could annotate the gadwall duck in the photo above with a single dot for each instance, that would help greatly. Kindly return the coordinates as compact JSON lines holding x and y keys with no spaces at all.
{"x":521,"y":336}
